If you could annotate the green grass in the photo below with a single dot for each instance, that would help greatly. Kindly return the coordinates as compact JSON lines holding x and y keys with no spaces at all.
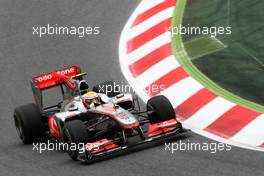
{"x":239,"y":68}
{"x":196,"y":69}
{"x":203,"y":46}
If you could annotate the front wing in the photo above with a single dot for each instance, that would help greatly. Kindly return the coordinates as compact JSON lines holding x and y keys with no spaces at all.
{"x":106,"y":147}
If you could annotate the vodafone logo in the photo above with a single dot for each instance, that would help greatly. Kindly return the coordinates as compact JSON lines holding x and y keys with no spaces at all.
{"x":123,"y":115}
{"x":44,"y":78}
{"x":68,"y":71}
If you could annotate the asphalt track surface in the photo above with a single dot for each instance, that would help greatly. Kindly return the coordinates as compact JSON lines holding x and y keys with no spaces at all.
{"x":23,"y":56}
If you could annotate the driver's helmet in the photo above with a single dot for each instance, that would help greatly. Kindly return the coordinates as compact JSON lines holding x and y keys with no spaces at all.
{"x":90,"y":99}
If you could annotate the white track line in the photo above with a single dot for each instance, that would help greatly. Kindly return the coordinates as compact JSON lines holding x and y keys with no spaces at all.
{"x":187,"y":87}
{"x":150,"y":22}
{"x":156,"y":71}
{"x":253,"y":133}
{"x":146,"y":5}
{"x":201,"y":132}
{"x":209,"y":113}
{"x":148,"y":47}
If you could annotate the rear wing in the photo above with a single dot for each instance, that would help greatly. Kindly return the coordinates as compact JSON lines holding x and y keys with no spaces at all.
{"x":53,"y":79}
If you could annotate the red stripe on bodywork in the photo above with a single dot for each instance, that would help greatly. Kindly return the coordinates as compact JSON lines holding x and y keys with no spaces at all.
{"x":194,"y":103}
{"x":101,"y":145}
{"x":53,"y":127}
{"x":166,"y":81}
{"x":151,"y":59}
{"x":232,"y":122}
{"x":154,"y":10}
{"x":163,"y":127}
{"x":148,"y":35}
{"x":262,"y":145}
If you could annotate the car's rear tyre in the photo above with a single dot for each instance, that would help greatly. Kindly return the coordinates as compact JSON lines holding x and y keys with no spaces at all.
{"x":160,"y":109}
{"x":75,"y":133}
{"x":28,"y":123}
{"x":107,"y":88}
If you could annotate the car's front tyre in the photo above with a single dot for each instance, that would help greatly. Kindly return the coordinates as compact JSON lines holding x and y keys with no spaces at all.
{"x":75,"y":133}
{"x":160,"y":109}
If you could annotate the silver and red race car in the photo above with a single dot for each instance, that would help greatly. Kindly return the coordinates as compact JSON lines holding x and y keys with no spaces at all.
{"x":104,"y":128}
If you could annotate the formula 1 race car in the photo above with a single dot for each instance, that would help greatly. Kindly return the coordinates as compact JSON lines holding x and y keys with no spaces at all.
{"x":102,"y":119}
